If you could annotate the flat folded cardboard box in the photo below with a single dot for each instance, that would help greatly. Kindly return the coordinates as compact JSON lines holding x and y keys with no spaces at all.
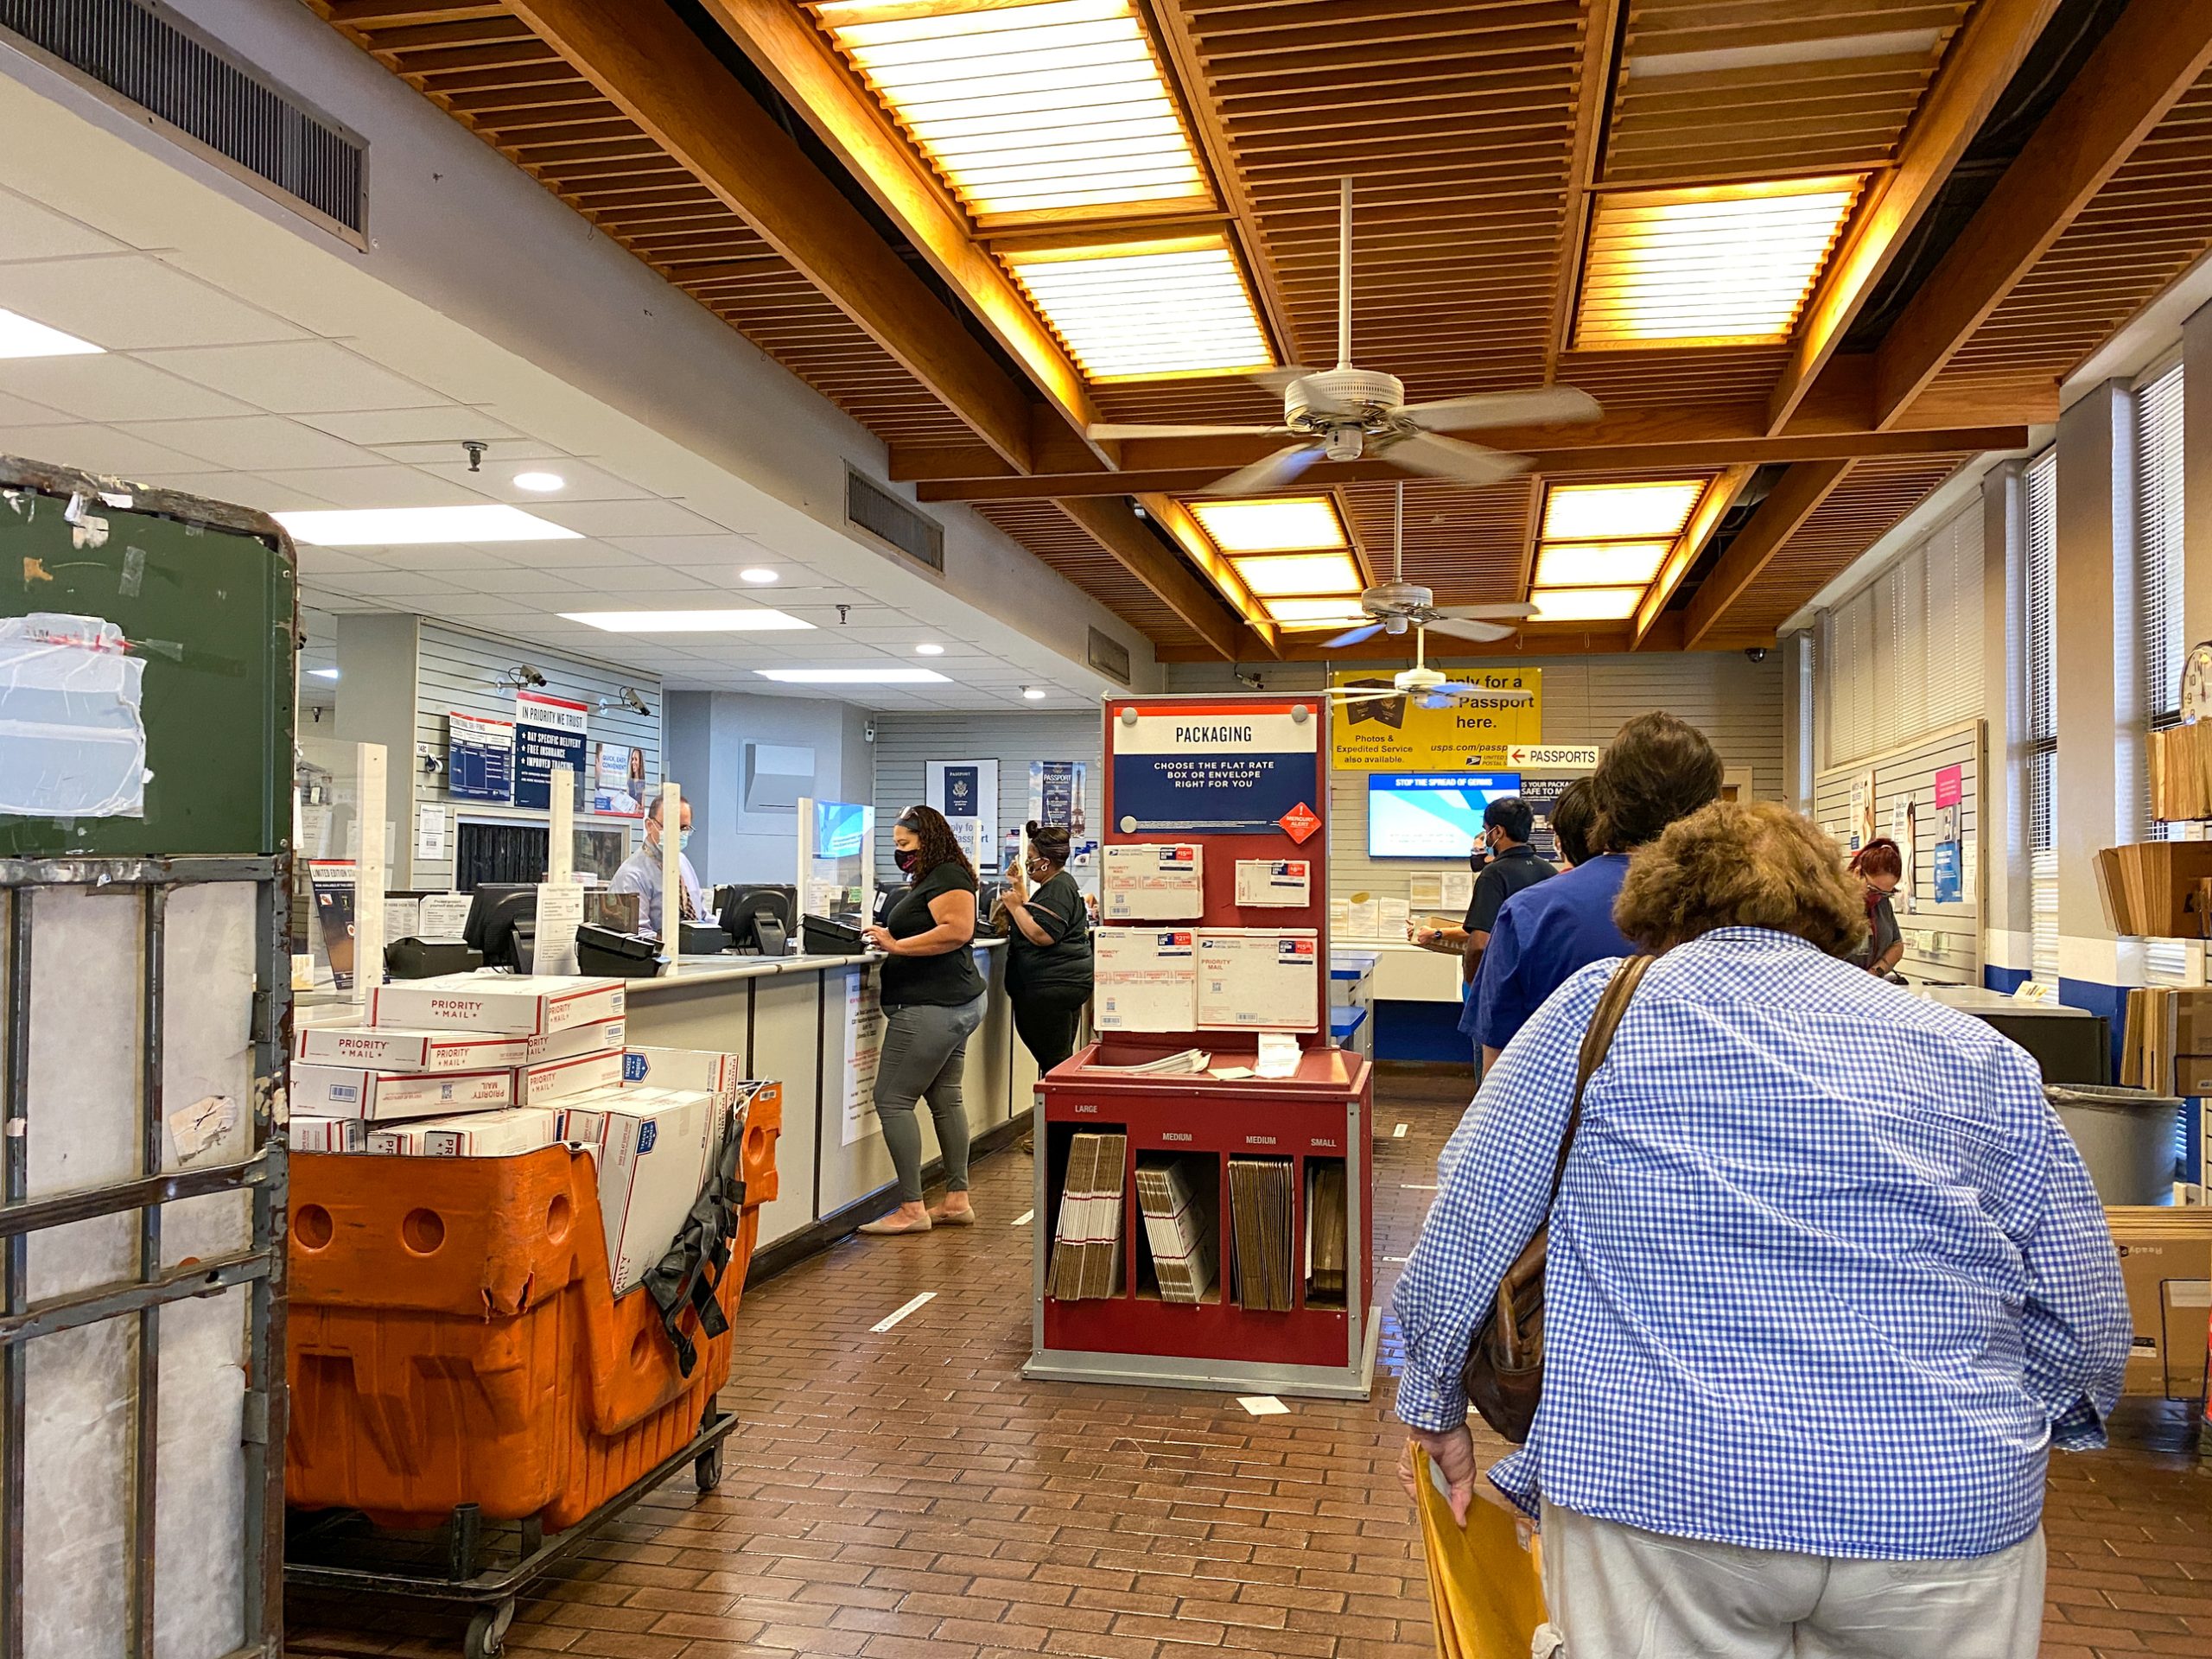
{"x":2165,"y":1259}
{"x":379,"y":1097}
{"x":653,"y":1148}
{"x":477,"y":1134}
{"x":392,"y":1049}
{"x":531,"y":1005}
{"x":564,"y":1079}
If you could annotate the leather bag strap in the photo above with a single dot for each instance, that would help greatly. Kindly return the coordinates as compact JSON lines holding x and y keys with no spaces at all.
{"x":1596,"y":1042}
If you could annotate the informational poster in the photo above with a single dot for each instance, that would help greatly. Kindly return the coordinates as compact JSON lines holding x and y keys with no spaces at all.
{"x":619,"y":788}
{"x":1560,"y":756}
{"x":1905,"y":824}
{"x":431,"y":820}
{"x":1056,"y":794}
{"x":966,"y":792}
{"x":863,"y":1033}
{"x":480,"y":757}
{"x":1473,"y":732}
{"x":1542,"y":794}
{"x":1242,"y":771}
{"x":560,"y":914}
{"x":336,"y":882}
{"x":1860,"y":828}
{"x":1945,"y":873}
{"x":549,"y":731}
{"x":1950,"y":786}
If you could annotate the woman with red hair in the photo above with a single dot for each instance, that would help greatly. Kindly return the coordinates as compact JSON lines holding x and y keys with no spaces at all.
{"x":1879,"y":867}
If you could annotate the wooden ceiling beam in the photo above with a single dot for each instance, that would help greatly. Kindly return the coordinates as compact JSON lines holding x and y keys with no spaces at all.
{"x":2146,"y":60}
{"x":1796,"y":494}
{"x":791,"y":52}
{"x":641,"y":56}
{"x":1172,"y":516}
{"x":399,"y":14}
{"x":1713,"y":507}
{"x":1600,"y":41}
{"x":1117,"y":528}
{"x":1979,"y":63}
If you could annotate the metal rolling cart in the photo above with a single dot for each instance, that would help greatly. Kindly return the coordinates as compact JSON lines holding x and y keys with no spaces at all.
{"x":146,"y":701}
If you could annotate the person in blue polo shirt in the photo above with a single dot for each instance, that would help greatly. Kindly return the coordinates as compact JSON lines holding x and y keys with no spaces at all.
{"x":1658,"y":768}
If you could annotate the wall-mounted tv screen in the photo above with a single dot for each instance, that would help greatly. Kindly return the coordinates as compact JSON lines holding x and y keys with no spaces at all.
{"x":841,"y":829}
{"x":1431,"y":815}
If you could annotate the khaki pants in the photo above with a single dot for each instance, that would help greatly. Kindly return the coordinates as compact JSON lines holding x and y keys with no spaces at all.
{"x":1618,"y":1593}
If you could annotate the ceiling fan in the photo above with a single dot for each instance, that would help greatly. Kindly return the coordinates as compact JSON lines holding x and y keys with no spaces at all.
{"x":1344,"y":413}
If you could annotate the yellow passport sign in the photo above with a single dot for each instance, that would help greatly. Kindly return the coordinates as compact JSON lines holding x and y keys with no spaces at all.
{"x":1503,"y":708}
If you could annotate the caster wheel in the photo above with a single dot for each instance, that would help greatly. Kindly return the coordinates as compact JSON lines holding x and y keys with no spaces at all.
{"x":487,"y":1631}
{"x":708,"y":1470}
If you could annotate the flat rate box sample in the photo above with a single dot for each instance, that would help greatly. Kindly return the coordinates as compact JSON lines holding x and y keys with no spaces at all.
{"x":1147,"y":979}
{"x":1284,"y":882}
{"x":1162,"y":881}
{"x":1258,"y":979}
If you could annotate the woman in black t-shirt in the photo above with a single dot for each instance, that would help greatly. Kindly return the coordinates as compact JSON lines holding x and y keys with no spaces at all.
{"x":932,"y":1002}
{"x":1048,"y":948}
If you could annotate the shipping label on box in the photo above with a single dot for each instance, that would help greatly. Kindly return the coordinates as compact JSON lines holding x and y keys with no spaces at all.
{"x":653,"y":1164}
{"x":526,"y":1004}
{"x":307,"y":1133}
{"x":351,"y":1091}
{"x":379,"y":1049}
{"x":560,"y":1080}
{"x":591,"y":1039}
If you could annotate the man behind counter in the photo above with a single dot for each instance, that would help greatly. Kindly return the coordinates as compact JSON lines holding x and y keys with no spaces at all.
{"x":1508,"y":823}
{"x":640,"y":873}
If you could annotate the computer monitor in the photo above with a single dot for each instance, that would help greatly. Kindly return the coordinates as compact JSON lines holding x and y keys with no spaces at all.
{"x":494,"y":908}
{"x":761,"y":918}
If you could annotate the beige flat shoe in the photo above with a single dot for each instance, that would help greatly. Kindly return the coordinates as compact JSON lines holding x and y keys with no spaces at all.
{"x":942,"y":1216}
{"x":888,"y":1229}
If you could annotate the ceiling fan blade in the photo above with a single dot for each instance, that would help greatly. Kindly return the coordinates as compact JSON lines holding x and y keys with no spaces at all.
{"x":1352,"y":636}
{"x":1543,"y":406}
{"x":1277,"y":470}
{"x":1278,"y":380}
{"x":1486,"y":612}
{"x":1463,"y":463}
{"x":1484,"y":631}
{"x":1109,"y":431}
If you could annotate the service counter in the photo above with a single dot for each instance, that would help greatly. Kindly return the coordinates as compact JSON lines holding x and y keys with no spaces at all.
{"x":809,"y":1022}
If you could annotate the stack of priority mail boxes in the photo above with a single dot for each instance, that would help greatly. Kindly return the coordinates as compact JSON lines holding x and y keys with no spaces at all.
{"x":491,"y":1065}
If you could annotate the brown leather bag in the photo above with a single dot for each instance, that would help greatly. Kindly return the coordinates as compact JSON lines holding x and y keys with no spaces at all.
{"x":1504,"y":1373}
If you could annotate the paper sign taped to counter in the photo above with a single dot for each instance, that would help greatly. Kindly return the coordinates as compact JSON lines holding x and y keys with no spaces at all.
{"x":73,"y":743}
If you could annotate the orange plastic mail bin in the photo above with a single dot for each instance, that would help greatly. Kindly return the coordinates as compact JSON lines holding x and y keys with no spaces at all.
{"x":454,"y":1338}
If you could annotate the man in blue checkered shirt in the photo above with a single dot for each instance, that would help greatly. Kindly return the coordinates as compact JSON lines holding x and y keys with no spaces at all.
{"x":1826,"y":1281}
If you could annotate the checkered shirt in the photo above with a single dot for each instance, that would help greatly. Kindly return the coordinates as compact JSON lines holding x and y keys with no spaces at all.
{"x":1826,"y":1273}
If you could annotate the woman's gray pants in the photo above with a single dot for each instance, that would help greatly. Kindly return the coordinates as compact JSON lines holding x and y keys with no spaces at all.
{"x":924,"y":1049}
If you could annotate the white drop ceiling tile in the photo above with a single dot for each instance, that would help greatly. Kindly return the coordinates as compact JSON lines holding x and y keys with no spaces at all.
{"x":21,"y":411}
{"x":615,"y":581}
{"x":435,"y":557}
{"x":560,"y":555}
{"x":127,"y":301}
{"x":337,"y":603}
{"x":580,"y":481}
{"x":319,"y":562}
{"x":437,"y":431}
{"x":469,"y":607}
{"x":514,"y":454}
{"x":96,"y":449}
{"x":295,"y":377}
{"x":385,"y":485}
{"x":520,"y":584}
{"x":28,"y":231}
{"x":112,"y":388}
{"x":402,"y":587}
{"x":258,"y":443}
{"x":240,"y":489}
{"x":623,"y":520}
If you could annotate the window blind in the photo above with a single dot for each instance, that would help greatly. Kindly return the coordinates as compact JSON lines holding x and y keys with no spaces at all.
{"x":2042,"y":548}
{"x":2162,"y":643}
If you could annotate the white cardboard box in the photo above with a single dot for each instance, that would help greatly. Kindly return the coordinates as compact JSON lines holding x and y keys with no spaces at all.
{"x":355,"y":1091}
{"x":563,"y":1080}
{"x":1155,"y":882}
{"x":652,"y":1161}
{"x":477,"y":1134}
{"x":702,"y":1069}
{"x":309,"y":1133}
{"x":1287,"y":882}
{"x":1258,"y":979}
{"x":390,"y":1049}
{"x":577,"y":1040}
{"x":1147,"y":979}
{"x":532,"y":1005}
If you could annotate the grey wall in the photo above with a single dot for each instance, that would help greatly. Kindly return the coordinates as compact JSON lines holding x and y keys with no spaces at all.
{"x":904,"y":743}
{"x":706,"y":735}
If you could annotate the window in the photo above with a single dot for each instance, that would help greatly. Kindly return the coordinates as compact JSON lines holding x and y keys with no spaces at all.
{"x":2041,"y":733}
{"x":2161,"y":644}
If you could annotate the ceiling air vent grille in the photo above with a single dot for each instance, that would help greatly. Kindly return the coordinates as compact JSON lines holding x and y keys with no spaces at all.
{"x":142,"y":56}
{"x":1110,"y":657}
{"x":871,"y":507}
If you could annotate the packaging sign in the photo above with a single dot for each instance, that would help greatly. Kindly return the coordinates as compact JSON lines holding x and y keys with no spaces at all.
{"x":1235,"y":771}
{"x":480,"y":757}
{"x":1950,"y":786}
{"x":1056,"y":794}
{"x":618,"y":786}
{"x":549,"y":731}
{"x":1466,"y":733}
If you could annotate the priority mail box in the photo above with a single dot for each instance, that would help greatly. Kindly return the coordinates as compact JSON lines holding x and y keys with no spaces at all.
{"x":392,"y":1049}
{"x":531,"y":1005}
{"x":1146,"y":978}
{"x":478,"y":1134}
{"x":652,"y":1146}
{"x":564,"y":1079}
{"x":355,"y":1091}
{"x":1258,"y":979}
{"x":592,"y":1038}
{"x":309,"y":1134}
{"x":703,"y":1070}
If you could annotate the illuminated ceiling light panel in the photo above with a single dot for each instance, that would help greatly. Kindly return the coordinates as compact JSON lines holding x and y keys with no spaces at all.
{"x":757,"y":618}
{"x":1617,"y":513}
{"x":420,"y":526}
{"x":1727,"y":265}
{"x":1273,"y":575}
{"x":1029,"y":107}
{"x":1585,"y":604}
{"x":21,"y":337}
{"x":1317,"y":613}
{"x":1146,"y":310}
{"x":1598,"y":564}
{"x":852,"y":675}
{"x":1280,"y":524}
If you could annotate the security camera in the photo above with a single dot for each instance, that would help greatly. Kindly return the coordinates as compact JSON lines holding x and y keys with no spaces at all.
{"x":432,"y":766}
{"x":1756,"y":653}
{"x":867,"y":731}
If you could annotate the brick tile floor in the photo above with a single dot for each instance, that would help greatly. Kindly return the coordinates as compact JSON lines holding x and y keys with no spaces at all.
{"x":909,"y":1494}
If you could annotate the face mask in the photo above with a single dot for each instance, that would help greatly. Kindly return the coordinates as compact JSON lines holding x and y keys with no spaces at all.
{"x":683,"y":839}
{"x":906,"y":857}
{"x":1038,"y":870}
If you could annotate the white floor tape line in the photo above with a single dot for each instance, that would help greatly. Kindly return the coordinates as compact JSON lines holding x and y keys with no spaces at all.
{"x":1416,"y":1187}
{"x":1023,"y":1219}
{"x":886,"y":1323}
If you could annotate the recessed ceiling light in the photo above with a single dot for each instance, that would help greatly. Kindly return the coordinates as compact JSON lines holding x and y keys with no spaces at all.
{"x":1316,"y":612}
{"x":21,"y":337}
{"x":1598,"y":564}
{"x":1275,"y":575}
{"x":852,"y":675}
{"x":324,"y":673}
{"x":754,"y":618}
{"x":1613,"y":512}
{"x":1034,"y":693}
{"x":1289,"y":523}
{"x":419,"y":526}
{"x":1585,"y":604}
{"x":1721,"y":264}
{"x":1027,"y":108}
{"x":928,"y":649}
{"x":756,"y":576}
{"x":540,"y":481}
{"x":1148,"y":311}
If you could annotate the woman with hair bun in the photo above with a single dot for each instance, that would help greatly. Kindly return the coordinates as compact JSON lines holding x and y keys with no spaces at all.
{"x":1048,"y":968}
{"x":1879,"y":867}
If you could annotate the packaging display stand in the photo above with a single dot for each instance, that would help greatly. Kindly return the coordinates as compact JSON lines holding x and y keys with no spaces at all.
{"x":1243,"y":779}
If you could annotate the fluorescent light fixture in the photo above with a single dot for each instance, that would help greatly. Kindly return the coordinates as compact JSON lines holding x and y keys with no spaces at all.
{"x":324,"y":673}
{"x":541,"y":482}
{"x":21,"y":337}
{"x":928,"y":649}
{"x":1724,"y":264}
{"x":1613,"y":512}
{"x":420,"y":526}
{"x":1317,"y":613}
{"x":1598,"y":564}
{"x":852,"y":675}
{"x":1146,"y":310}
{"x":1034,"y":693}
{"x":754,"y":618}
{"x":756,"y":576}
{"x":1285,"y":524}
{"x":1274,"y":575}
{"x":1585,"y":604}
{"x":1025,"y":107}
